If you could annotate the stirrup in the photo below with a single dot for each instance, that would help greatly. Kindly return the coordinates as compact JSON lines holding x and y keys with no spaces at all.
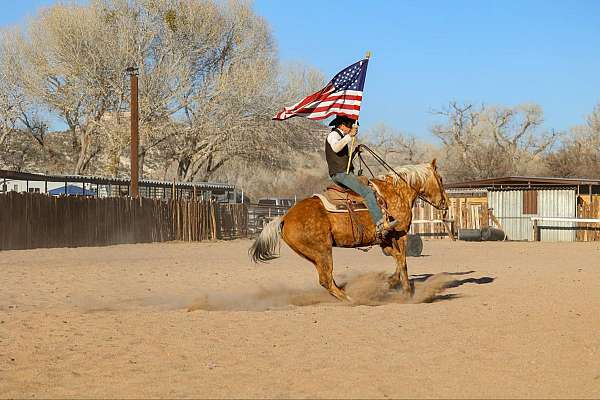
{"x":384,"y":228}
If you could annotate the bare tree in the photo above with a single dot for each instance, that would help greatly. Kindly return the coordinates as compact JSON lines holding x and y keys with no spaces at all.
{"x":63,"y":63}
{"x":235,"y":124}
{"x":208,"y":76}
{"x":579,"y":152}
{"x":396,"y":147}
{"x":482,"y":142}
{"x":23,"y":125}
{"x":10,"y":105}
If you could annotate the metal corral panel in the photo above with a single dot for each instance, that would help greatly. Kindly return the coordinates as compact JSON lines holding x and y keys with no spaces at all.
{"x":557,"y":203}
{"x":507,"y":207}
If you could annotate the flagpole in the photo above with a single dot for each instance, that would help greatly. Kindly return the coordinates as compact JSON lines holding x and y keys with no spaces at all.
{"x":367,"y":56}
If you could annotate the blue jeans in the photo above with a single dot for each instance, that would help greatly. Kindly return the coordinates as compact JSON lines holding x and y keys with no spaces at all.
{"x":350,"y":181}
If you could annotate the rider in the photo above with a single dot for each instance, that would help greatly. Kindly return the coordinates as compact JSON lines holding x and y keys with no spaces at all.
{"x":337,"y":155}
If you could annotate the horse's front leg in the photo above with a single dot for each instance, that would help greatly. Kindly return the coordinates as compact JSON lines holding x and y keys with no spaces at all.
{"x":400,"y":276}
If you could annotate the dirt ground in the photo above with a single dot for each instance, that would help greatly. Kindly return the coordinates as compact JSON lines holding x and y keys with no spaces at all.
{"x":506,"y":320}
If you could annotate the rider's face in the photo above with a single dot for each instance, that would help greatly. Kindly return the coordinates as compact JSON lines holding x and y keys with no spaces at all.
{"x":344,"y":128}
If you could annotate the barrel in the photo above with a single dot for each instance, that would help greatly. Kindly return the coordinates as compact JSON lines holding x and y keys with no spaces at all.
{"x":492,"y":234}
{"x":469,"y":235}
{"x":414,"y":245}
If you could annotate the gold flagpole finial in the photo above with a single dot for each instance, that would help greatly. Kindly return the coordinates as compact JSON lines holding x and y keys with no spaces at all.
{"x":368,"y":55}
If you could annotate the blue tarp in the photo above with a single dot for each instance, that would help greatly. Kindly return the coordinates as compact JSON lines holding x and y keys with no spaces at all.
{"x":71,"y":190}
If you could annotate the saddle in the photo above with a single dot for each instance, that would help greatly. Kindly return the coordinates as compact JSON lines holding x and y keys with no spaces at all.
{"x":336,"y":198}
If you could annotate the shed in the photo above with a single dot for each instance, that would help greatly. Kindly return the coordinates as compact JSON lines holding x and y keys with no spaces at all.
{"x":512,"y":201}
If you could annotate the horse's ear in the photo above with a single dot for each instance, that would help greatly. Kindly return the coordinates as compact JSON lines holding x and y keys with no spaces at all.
{"x":434,"y":164}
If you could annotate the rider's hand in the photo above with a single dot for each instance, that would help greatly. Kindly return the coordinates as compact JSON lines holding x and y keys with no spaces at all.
{"x":354,"y":130}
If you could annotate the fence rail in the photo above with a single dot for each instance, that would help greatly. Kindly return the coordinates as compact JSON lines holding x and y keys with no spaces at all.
{"x":580,"y":224}
{"x":29,"y":220}
{"x":260,"y":215}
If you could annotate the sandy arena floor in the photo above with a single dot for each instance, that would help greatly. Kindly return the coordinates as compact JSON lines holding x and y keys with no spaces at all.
{"x":516,"y":320}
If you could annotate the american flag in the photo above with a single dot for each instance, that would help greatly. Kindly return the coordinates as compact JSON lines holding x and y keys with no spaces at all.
{"x":341,"y":96}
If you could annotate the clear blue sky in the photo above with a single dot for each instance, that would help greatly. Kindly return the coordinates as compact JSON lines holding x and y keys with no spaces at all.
{"x":427,"y":53}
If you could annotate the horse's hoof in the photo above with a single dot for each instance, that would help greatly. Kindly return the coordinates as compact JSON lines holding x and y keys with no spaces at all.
{"x":393,"y":281}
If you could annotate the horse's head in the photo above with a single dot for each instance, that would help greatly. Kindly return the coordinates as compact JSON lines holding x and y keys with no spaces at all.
{"x":432,"y":189}
{"x":425,"y":182}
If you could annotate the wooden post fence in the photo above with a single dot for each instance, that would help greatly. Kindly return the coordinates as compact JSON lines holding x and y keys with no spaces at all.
{"x":31,"y":220}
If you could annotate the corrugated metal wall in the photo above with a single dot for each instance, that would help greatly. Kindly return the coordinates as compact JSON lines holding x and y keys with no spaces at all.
{"x":557,"y":203}
{"x":507,"y":206}
{"x":508,"y":209}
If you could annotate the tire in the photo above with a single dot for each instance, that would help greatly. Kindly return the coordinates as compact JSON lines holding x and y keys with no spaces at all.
{"x":469,"y":235}
{"x":492,"y":234}
{"x":414,"y":246}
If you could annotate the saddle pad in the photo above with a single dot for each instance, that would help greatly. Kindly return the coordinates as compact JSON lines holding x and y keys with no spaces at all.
{"x":331,"y":208}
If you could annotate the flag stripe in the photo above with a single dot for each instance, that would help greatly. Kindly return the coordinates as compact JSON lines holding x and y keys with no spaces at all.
{"x":328,"y":107}
{"x":314,"y":97}
{"x":328,"y":102}
{"x":327,"y":113}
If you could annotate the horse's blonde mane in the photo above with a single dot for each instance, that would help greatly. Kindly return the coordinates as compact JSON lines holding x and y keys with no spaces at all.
{"x":414,"y":175}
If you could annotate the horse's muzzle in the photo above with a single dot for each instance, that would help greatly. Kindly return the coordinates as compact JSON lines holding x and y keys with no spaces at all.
{"x":444,"y":203}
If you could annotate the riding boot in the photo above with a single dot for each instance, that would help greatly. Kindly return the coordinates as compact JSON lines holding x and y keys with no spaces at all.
{"x":382,"y":228}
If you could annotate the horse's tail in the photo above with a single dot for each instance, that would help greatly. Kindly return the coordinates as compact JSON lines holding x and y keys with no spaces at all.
{"x":263,"y":248}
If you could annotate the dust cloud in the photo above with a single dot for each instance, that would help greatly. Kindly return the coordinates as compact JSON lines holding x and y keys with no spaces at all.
{"x":370,"y":289}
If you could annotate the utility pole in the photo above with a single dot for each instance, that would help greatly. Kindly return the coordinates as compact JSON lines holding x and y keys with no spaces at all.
{"x":134,"y":117}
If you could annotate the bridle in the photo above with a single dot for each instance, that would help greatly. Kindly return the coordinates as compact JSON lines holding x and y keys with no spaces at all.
{"x":389,"y":168}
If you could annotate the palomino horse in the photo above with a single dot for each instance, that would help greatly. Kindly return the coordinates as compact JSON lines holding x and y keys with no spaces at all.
{"x":311,"y":231}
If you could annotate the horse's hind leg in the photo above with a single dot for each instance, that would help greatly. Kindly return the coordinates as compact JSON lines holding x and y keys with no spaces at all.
{"x":308,"y":232}
{"x":324,"y":266}
{"x":322,"y":259}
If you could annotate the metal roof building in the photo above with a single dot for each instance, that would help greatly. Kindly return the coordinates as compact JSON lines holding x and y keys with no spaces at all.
{"x":514,"y":200}
{"x":112,"y":187}
{"x":528,"y":181}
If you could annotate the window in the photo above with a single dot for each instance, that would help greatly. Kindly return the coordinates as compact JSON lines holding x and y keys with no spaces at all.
{"x":530,"y":202}
{"x":266,"y":202}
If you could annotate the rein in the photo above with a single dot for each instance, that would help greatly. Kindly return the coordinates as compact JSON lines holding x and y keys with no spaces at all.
{"x":381,"y":162}
{"x":388,"y":167}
